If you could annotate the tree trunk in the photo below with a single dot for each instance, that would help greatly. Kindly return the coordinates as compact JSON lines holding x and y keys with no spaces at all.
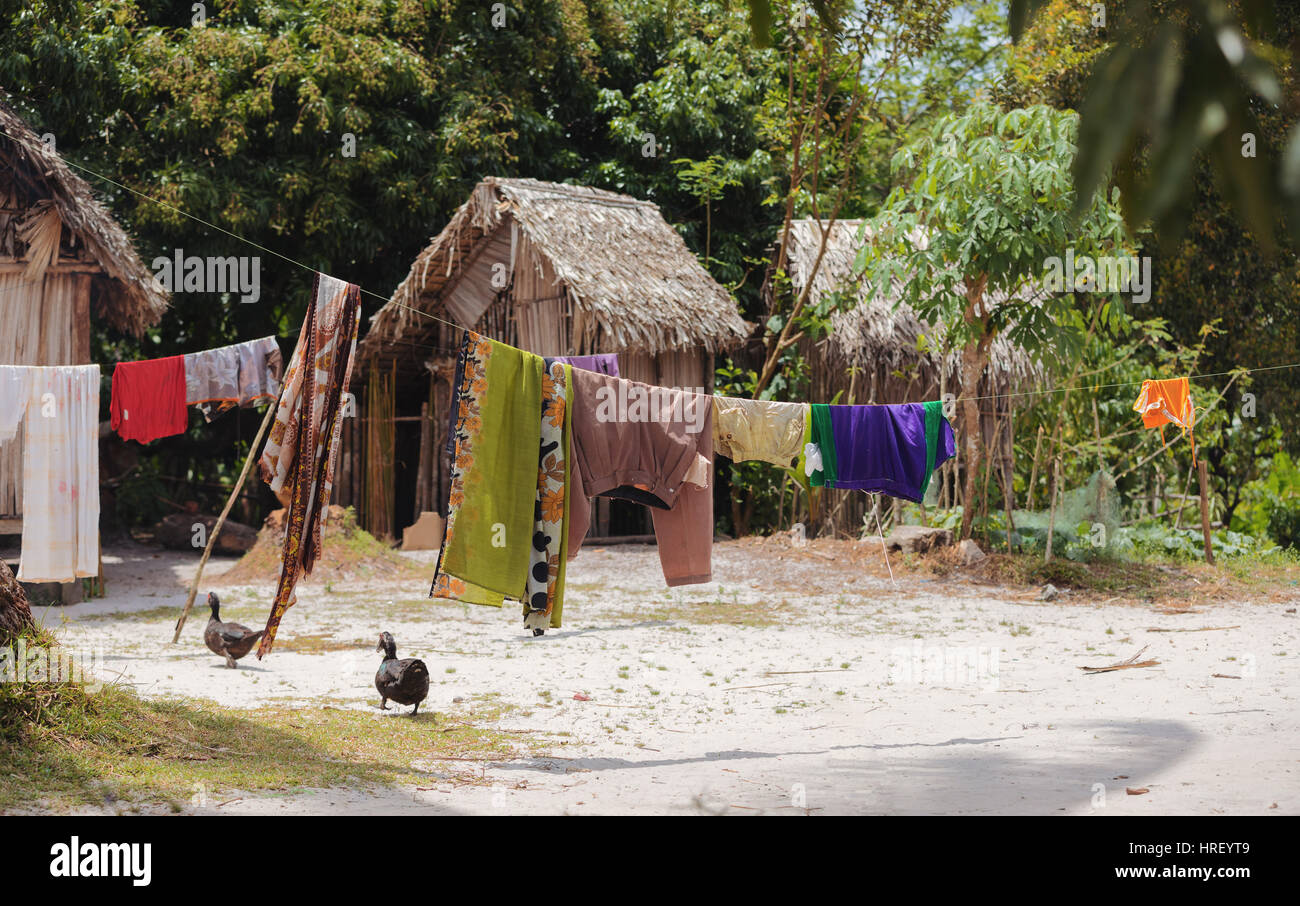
{"x":15,"y":612}
{"x":974,"y":358}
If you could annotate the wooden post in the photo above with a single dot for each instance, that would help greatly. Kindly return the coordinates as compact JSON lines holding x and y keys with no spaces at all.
{"x":221,"y":520}
{"x":1182,"y":501}
{"x":1033,"y":472}
{"x":1205,"y":511}
{"x":424,"y":473}
{"x":1053,"y":480}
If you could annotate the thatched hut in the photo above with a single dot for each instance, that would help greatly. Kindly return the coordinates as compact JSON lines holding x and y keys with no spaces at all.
{"x":553,"y":269}
{"x":63,"y":261}
{"x":880,"y":351}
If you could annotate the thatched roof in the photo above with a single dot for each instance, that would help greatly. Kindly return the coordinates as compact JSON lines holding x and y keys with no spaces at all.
{"x":630,"y":279}
{"x":129,"y":298}
{"x":874,"y":331}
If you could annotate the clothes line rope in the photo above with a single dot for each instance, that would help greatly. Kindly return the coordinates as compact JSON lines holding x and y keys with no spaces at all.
{"x":432,"y":317}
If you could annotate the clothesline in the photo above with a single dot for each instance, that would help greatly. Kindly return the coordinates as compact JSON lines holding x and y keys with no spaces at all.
{"x":433,"y":317}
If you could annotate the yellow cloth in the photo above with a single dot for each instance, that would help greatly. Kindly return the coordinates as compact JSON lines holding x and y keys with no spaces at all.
{"x":759,"y":429}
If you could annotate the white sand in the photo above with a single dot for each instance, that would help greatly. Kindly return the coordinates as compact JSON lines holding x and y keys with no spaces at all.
{"x":802,"y":714}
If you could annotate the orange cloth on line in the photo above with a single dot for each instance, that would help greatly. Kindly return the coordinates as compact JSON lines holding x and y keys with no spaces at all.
{"x":1168,"y":402}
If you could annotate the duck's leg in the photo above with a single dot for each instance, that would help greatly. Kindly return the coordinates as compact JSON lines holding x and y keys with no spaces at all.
{"x":230,"y":661}
{"x":417,"y":709}
{"x":383,"y":703}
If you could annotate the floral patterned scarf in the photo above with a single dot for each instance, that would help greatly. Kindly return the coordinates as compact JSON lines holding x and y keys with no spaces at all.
{"x":302,"y":449}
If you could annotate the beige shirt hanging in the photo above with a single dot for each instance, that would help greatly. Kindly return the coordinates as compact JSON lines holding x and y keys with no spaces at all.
{"x":759,"y":429}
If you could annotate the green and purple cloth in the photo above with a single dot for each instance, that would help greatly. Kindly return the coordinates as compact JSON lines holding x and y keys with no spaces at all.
{"x":892,"y":449}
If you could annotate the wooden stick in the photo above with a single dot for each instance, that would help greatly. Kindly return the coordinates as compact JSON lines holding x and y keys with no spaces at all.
{"x":1033,"y":473}
{"x":1054,"y":479}
{"x":1178,"y":520}
{"x":1205,"y":510}
{"x":221,"y":520}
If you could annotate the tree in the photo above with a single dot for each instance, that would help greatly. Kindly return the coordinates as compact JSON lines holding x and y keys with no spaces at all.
{"x":1178,"y":81}
{"x":1180,"y":78}
{"x":838,"y":66}
{"x":1218,"y":291}
{"x":706,"y":180}
{"x":984,"y":211}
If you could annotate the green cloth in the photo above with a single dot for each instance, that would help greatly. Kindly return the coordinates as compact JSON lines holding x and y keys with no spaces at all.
{"x":569,"y":465}
{"x":824,"y":437}
{"x":490,"y":542}
{"x":933,"y":422}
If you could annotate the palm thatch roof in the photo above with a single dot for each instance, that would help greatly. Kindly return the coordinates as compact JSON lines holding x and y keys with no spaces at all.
{"x":877,"y":332}
{"x":35,"y":179}
{"x":626,"y":274}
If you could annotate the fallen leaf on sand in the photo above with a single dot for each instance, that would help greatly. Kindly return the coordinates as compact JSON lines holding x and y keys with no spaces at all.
{"x":1139,"y":791}
{"x":579,"y":697}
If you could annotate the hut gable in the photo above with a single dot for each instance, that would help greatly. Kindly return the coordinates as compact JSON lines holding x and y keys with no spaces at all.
{"x":881,"y":332}
{"x":623,"y":274}
{"x":48,"y":216}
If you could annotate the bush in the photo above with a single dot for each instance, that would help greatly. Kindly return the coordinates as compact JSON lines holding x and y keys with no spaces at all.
{"x":1284,"y":523}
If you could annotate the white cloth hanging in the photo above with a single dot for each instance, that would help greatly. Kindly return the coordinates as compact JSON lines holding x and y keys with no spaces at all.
{"x":61,"y":474}
{"x":13,"y":399}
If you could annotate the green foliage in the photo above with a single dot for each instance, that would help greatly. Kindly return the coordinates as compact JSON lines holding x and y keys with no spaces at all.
{"x":1161,"y":541}
{"x":986,"y":195}
{"x":1284,"y":524}
{"x":1217,"y":290}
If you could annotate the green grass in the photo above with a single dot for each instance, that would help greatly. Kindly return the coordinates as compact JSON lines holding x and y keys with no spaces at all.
{"x":717,"y":611}
{"x":1150,"y":579}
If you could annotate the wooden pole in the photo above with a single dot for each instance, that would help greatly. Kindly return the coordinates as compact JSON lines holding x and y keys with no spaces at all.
{"x":221,"y":520}
{"x":1053,"y":480}
{"x":1009,"y":503}
{"x":1182,"y":501}
{"x":1033,"y":472}
{"x":1205,"y":510}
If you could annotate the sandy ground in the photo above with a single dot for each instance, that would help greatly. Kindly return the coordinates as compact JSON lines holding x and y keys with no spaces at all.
{"x":794,"y":684}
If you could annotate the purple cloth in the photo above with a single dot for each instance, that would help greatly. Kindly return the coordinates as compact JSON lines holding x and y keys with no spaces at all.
{"x":605,"y":363}
{"x":882,"y":449}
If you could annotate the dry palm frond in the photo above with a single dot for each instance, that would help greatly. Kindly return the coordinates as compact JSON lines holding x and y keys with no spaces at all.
{"x":40,"y":231}
{"x":34,"y":173}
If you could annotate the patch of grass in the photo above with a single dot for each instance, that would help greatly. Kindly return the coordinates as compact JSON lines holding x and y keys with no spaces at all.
{"x":61,"y":746}
{"x":319,"y":643}
{"x":169,"y":612}
{"x":1148,"y":580}
{"x":756,"y":615}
